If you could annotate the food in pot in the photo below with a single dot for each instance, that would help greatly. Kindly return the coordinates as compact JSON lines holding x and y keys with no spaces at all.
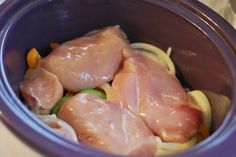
{"x":149,"y":91}
{"x":88,"y":61}
{"x":41,"y":89}
{"x":119,"y":97}
{"x":107,"y":126}
{"x":59,"y":126}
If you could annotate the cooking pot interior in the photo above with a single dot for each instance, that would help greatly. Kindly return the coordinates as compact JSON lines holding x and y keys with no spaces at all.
{"x":199,"y":63}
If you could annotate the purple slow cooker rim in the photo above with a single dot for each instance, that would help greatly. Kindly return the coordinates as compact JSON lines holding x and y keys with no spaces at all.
{"x":218,"y":23}
{"x":15,"y":115}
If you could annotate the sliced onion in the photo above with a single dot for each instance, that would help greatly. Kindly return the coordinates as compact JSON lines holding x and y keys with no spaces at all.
{"x":162,"y":57}
{"x":106,"y":87}
{"x":201,"y":100}
{"x":164,"y":148}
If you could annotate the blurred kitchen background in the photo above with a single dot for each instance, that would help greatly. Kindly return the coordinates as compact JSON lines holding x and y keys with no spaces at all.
{"x":226,"y":8}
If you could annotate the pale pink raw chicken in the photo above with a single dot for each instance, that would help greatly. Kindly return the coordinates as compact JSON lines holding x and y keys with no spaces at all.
{"x":88,"y":61}
{"x":108,"y":127}
{"x":41,"y":90}
{"x":59,"y":126}
{"x":148,"y":90}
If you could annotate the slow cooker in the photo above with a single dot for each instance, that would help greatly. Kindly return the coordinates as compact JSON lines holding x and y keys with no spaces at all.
{"x":203,"y":43}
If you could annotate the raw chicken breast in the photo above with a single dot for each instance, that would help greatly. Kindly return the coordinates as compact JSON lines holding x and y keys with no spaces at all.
{"x":107,"y":127}
{"x":148,"y":90}
{"x":88,"y":61}
{"x":41,"y":90}
{"x":59,"y":126}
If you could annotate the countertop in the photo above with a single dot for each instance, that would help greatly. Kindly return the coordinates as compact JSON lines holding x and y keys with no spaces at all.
{"x":12,"y":146}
